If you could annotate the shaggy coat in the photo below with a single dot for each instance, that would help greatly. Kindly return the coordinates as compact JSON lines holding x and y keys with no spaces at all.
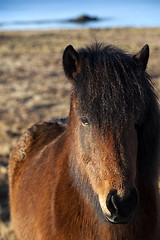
{"x":93,"y":175}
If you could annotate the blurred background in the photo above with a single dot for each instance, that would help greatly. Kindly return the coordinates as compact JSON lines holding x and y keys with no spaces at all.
{"x":51,"y":14}
{"x":33,"y":36}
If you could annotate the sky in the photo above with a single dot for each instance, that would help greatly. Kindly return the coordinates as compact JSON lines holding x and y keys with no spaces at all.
{"x":113,"y":13}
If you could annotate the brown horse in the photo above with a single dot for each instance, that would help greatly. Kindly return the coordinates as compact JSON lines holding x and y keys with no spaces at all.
{"x":93,"y":175}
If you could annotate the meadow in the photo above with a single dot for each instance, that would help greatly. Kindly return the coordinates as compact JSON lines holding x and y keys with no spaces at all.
{"x":34,"y":88}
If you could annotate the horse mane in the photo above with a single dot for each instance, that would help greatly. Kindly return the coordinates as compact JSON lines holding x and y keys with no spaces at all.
{"x":111,"y":88}
{"x":36,"y":137}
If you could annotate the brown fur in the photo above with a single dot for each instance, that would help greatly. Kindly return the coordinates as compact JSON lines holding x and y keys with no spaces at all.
{"x":61,"y":173}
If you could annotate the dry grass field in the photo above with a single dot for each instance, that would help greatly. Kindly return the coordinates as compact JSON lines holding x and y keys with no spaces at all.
{"x":33,"y":86}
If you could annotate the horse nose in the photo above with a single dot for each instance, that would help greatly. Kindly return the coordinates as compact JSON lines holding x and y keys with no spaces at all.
{"x":121,"y":208}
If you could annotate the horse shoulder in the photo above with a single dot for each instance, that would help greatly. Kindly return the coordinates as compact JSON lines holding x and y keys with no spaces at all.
{"x":32,"y":142}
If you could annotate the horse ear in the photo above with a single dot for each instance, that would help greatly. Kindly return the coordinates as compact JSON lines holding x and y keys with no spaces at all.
{"x":142,"y":57}
{"x":71,"y":62}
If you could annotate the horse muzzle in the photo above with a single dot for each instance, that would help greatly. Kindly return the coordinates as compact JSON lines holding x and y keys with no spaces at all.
{"x":121,"y":208}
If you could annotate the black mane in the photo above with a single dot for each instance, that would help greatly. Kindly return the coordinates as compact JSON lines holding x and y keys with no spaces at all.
{"x":111,"y":86}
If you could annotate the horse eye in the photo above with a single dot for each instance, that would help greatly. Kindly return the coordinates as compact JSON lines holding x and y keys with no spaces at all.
{"x":84,"y":122}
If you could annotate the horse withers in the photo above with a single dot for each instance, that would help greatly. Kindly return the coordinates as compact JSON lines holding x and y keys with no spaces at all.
{"x":93,"y":175}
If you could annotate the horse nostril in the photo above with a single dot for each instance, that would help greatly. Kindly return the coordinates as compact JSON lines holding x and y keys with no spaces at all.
{"x":121,"y":208}
{"x":110,"y":201}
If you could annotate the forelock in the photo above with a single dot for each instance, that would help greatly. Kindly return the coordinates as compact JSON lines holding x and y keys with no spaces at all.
{"x":110,"y":87}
